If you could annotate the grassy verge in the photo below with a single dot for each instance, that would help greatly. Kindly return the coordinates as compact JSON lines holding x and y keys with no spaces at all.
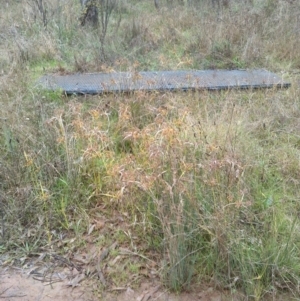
{"x":205,"y":184}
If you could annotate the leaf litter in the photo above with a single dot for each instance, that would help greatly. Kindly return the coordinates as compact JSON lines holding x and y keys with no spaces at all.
{"x":84,"y":277}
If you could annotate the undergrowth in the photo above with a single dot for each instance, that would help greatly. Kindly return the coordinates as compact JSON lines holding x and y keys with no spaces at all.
{"x":206,"y":184}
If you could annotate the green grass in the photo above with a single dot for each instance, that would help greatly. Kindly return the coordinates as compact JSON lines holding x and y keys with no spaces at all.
{"x":204,"y":184}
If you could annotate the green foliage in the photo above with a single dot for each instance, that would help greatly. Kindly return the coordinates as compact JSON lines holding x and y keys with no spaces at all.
{"x":207,"y":184}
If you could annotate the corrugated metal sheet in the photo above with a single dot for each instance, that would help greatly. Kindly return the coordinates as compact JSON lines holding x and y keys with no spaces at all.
{"x":97,"y":83}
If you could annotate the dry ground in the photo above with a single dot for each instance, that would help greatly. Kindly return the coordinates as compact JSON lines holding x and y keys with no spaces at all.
{"x":51,"y":194}
{"x":21,"y":285}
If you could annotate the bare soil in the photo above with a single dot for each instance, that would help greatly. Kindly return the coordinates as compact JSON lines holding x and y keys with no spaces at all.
{"x":21,"y":285}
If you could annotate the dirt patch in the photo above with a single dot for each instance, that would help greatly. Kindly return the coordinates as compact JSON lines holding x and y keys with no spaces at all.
{"x":20,"y":285}
{"x":17,"y":284}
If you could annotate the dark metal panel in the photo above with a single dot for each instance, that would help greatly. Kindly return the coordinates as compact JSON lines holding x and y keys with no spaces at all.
{"x":97,"y":83}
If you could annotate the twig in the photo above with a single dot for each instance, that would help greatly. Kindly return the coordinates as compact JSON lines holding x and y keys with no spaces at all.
{"x":5,"y":290}
{"x":10,"y":296}
{"x":117,"y":289}
{"x":65,"y":261}
{"x":49,"y":280}
{"x":2,"y":216}
{"x":128,"y":252}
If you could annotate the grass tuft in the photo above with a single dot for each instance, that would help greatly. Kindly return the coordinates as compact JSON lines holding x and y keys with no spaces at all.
{"x":202,"y":186}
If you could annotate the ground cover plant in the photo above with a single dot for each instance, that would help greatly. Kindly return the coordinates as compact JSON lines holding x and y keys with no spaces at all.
{"x":200,"y":187}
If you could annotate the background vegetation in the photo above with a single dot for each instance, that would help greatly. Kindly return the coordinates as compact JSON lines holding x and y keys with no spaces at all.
{"x":203,"y":187}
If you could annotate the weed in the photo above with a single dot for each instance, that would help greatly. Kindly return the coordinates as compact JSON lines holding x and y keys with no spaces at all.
{"x":205,"y":184}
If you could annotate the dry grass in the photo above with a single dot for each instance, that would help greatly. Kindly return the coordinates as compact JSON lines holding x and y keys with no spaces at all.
{"x":206,"y":182}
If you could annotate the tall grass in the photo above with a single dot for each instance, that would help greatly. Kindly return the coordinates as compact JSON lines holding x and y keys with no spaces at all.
{"x":218,"y":208}
{"x":208,"y":182}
